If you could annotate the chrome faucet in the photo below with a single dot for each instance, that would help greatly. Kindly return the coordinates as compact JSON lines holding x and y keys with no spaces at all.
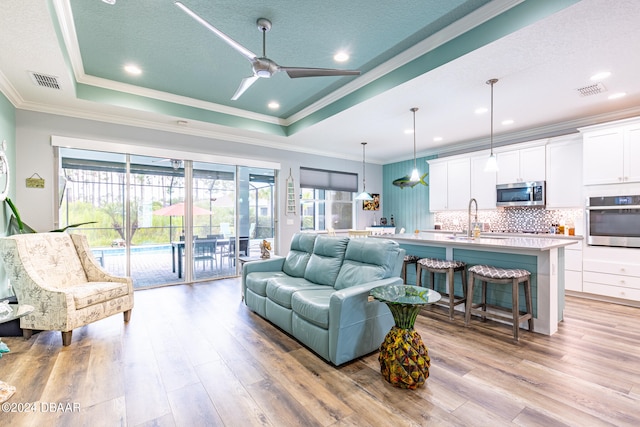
{"x":469,"y":231}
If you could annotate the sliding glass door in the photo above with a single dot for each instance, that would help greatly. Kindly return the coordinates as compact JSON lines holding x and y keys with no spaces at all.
{"x":165,"y":221}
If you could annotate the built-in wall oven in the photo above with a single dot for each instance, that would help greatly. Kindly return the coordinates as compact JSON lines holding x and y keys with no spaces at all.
{"x":613,"y":221}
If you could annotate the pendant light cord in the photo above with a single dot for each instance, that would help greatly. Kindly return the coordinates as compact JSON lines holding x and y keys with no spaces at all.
{"x":415,"y":165}
{"x":364,"y":185}
{"x":492,"y":82}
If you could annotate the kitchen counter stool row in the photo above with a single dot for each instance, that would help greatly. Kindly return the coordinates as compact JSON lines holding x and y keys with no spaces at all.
{"x":486,"y":274}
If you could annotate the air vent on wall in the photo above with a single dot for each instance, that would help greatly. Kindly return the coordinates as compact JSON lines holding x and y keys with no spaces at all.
{"x":592,"y":89}
{"x":44,"y":81}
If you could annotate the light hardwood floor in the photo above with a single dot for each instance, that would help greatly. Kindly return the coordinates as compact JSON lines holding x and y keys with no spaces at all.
{"x":196,"y":356}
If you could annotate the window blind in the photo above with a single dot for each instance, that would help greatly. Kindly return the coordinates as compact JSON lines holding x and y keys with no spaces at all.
{"x":328,"y":180}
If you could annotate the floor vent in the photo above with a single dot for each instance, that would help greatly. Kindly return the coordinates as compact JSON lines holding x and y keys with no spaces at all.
{"x":45,"y":81}
{"x":592,"y":89}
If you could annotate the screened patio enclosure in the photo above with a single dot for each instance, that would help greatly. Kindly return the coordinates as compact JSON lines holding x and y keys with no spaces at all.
{"x":165,"y":221}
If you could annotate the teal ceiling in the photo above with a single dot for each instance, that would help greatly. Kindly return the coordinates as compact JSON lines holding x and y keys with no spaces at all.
{"x":179,"y":56}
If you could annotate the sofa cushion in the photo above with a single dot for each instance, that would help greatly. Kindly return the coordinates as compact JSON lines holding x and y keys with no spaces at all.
{"x":299,"y":254}
{"x":257,"y":281}
{"x":326,"y":260}
{"x":367,"y":260}
{"x":97,"y":292}
{"x":313,"y":305}
{"x":281,"y":289}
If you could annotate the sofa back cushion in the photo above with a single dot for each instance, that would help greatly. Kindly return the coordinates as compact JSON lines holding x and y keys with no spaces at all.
{"x":52,"y":257}
{"x":326,"y":260}
{"x":301,"y":248}
{"x":367,"y":260}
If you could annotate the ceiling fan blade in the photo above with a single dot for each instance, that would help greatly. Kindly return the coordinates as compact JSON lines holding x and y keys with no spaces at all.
{"x":231,"y":42}
{"x":244,"y":85}
{"x":295,"y":72}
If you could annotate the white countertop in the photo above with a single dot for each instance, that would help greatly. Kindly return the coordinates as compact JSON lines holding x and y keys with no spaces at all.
{"x":503,"y":234}
{"x":495,"y":241}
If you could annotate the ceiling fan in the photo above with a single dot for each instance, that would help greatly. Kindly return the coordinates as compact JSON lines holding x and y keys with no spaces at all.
{"x":263,"y":67}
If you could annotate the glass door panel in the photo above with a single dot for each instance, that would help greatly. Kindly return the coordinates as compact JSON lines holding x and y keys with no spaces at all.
{"x":93,"y":189}
{"x":157,"y":207}
{"x":214,"y":201}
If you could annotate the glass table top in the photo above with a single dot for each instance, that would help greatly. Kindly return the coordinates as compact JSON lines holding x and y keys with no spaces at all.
{"x":405,"y":294}
{"x":9,"y":312}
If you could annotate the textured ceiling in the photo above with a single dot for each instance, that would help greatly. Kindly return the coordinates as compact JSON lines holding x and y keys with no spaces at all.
{"x":432,"y":54}
{"x":179,"y":56}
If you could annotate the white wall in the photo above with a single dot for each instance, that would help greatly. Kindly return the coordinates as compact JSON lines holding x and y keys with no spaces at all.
{"x":34,"y":154}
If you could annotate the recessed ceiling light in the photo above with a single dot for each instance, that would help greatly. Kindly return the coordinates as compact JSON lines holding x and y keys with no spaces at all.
{"x":437,"y":139}
{"x":507,"y":122}
{"x":600,"y":76}
{"x":109,"y":1}
{"x":408,"y":131}
{"x":617,"y":95}
{"x":273,"y":105}
{"x":341,"y":56}
{"x":481,"y":110}
{"x":133,"y":69}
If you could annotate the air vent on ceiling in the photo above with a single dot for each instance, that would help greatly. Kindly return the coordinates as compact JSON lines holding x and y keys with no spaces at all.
{"x":592,"y":89}
{"x":44,"y":80}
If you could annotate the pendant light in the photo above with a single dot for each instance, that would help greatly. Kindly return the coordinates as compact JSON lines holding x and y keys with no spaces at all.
{"x":492,"y":161}
{"x":415,"y":175}
{"x":364,"y":195}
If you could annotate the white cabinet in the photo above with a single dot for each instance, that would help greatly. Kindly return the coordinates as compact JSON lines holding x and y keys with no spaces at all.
{"x":449,"y":184}
{"x":437,"y":186}
{"x":458,"y":184}
{"x":573,"y":267}
{"x":611,"y":155}
{"x":611,"y":272}
{"x":523,"y":165}
{"x":483,"y":184}
{"x":564,"y":173}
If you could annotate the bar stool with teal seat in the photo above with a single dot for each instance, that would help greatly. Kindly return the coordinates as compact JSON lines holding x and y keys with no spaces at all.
{"x":447,"y":267}
{"x":500,"y":276}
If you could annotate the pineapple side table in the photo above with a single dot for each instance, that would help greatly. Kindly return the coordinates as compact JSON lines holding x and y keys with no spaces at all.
{"x":404,"y":359}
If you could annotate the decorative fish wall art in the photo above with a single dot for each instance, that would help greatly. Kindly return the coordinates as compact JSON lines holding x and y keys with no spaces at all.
{"x":405,"y":181}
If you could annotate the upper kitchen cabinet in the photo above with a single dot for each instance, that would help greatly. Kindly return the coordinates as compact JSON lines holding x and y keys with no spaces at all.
{"x":449,"y":184}
{"x":483,"y":184}
{"x":609,"y":153}
{"x":523,"y":165}
{"x":564,"y":172}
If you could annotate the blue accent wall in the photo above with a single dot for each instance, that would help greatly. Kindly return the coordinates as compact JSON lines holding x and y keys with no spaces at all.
{"x":409,"y":206}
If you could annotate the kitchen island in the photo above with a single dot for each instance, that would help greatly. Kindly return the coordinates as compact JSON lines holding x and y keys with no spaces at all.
{"x":542,"y":256}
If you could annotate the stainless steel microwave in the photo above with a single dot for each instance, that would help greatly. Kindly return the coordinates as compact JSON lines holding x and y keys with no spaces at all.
{"x":521,"y":194}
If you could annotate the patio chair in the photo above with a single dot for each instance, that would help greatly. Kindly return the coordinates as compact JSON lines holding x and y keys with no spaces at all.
{"x":58,"y":275}
{"x":205,"y":250}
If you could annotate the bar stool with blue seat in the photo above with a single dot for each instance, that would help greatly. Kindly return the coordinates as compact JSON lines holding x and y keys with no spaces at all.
{"x":500,"y":276}
{"x":447,"y":267}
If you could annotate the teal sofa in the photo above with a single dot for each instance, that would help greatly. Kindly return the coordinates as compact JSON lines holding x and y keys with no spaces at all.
{"x":319,"y":293}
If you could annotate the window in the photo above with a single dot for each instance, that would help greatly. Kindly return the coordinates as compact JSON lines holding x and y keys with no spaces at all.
{"x":326,"y":199}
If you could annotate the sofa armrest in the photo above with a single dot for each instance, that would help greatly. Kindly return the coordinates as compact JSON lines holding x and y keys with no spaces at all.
{"x":348,"y":306}
{"x":271,"y":264}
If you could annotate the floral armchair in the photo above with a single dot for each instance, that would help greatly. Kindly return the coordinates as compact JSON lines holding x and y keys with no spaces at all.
{"x":57,"y":274}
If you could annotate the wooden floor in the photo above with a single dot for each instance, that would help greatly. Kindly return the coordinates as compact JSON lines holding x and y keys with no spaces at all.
{"x":196,"y":356}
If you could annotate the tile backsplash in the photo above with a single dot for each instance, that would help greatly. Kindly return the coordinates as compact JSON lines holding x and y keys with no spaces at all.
{"x":514,"y":219}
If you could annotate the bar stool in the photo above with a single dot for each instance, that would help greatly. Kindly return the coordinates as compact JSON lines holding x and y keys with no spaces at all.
{"x":448,"y":267}
{"x":408,"y":259}
{"x":500,"y":276}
